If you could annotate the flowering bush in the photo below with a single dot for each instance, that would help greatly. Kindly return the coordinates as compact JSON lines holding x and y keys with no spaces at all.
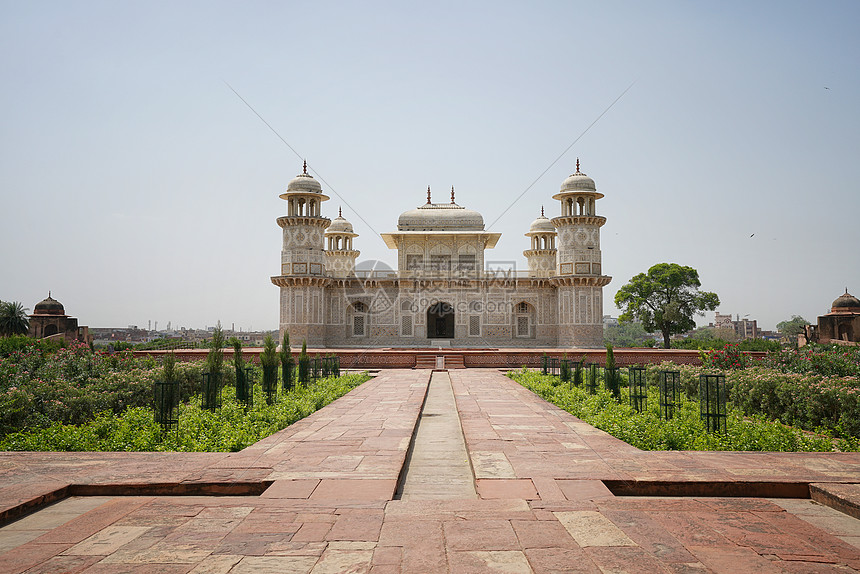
{"x":816,"y":387}
{"x":40,"y":386}
{"x":729,"y":357}
{"x":827,"y":360}
{"x":807,"y":400}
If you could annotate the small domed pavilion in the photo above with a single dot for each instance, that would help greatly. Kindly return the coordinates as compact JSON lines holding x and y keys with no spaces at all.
{"x":841,"y":325}
{"x":49,"y":320}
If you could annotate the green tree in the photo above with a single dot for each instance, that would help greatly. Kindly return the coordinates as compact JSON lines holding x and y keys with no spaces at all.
{"x":239,"y":367}
{"x":286,"y":355}
{"x":792,"y":327}
{"x":665,"y":299}
{"x":13,"y":319}
{"x":214,"y":362}
{"x":215,"y":358}
{"x":611,"y":375}
{"x":269,"y":362}
{"x":169,"y":366}
{"x":626,"y":334}
{"x":304,"y":364}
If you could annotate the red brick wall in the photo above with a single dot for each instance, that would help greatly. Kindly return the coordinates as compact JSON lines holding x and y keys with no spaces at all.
{"x":486,"y":358}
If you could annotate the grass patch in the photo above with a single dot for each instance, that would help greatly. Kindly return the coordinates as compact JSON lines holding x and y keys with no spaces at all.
{"x":647,"y":431}
{"x":231,"y":428}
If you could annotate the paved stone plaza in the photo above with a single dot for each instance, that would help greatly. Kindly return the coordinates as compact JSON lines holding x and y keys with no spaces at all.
{"x":330,"y":494}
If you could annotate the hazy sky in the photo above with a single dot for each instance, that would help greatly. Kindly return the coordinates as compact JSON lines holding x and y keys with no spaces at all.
{"x":137,"y":186}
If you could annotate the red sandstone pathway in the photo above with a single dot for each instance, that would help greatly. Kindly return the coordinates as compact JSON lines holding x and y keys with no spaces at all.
{"x":317,"y":497}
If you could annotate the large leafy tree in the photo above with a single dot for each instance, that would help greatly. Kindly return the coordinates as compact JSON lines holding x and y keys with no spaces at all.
{"x":665,"y":299}
{"x":792,"y":327}
{"x":13,"y":319}
{"x":627,"y":334}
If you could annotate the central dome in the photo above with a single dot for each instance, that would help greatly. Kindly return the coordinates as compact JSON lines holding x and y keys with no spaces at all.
{"x":846,"y":303}
{"x":49,"y":306}
{"x":440,"y":217}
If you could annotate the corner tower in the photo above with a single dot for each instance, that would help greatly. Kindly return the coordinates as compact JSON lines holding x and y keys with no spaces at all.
{"x":542,"y":255}
{"x":303,"y":274}
{"x":579,"y":273}
{"x":339,"y":255}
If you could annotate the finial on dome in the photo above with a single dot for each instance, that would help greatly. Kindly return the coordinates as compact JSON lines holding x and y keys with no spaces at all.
{"x":305,"y":167}
{"x":49,"y":292}
{"x":428,"y":195}
{"x":541,"y":211}
{"x":340,"y":212}
{"x":452,"y":194}
{"x":577,"y":165}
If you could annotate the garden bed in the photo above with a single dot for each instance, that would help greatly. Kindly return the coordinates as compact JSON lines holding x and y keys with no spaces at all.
{"x":75,"y":399}
{"x":685,"y":431}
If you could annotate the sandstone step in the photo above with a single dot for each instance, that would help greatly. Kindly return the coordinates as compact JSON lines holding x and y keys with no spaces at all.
{"x":454,"y":362}
{"x":425,"y":362}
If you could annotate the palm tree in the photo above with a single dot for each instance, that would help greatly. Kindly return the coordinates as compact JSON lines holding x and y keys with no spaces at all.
{"x":13,"y":319}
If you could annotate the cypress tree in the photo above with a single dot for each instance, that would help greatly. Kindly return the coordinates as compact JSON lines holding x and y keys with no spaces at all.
{"x":304,"y":364}
{"x":287,"y":362}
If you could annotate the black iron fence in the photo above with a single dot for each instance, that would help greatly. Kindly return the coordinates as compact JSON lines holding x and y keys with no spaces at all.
{"x":636,"y":384}
{"x":669,"y":387}
{"x":167,"y":404}
{"x":211,"y":391}
{"x":712,"y":402}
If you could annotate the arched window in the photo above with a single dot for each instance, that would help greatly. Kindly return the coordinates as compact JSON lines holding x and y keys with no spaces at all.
{"x":359,"y":319}
{"x":524,"y":320}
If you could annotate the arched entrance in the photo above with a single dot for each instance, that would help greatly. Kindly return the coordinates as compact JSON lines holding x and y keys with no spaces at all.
{"x":440,"y":321}
{"x":50,"y":330}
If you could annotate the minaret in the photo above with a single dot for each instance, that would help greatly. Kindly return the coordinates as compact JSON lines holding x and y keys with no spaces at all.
{"x":303,"y":273}
{"x":542,"y":254}
{"x":578,"y":276}
{"x":339,"y":255}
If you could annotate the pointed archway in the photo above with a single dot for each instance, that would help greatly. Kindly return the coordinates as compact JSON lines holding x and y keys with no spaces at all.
{"x":440,"y":321}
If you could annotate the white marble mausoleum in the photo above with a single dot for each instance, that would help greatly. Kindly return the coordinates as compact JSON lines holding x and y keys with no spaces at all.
{"x":441,"y":293}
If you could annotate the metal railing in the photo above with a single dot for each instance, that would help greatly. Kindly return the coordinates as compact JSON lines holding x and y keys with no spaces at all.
{"x":712,"y":402}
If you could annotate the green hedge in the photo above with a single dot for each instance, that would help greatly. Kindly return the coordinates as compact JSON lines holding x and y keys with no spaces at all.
{"x":40,"y":387}
{"x":685,"y":431}
{"x":230,"y":428}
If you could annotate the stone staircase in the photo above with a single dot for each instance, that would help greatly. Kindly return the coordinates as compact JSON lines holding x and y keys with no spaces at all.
{"x":425,"y":362}
{"x":454,"y":362}
{"x":439,"y":362}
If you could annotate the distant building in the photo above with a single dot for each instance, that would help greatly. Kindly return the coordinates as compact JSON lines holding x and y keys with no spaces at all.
{"x":841,"y":325}
{"x":743,"y":328}
{"x":49,"y":321}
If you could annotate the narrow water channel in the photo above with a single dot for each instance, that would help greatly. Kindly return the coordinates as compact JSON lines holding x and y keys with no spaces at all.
{"x":438,"y":464}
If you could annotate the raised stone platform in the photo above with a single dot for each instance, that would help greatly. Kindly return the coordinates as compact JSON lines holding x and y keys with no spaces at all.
{"x":503,"y":358}
{"x":554,"y":495}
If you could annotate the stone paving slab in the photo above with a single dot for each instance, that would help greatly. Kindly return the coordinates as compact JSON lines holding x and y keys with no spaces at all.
{"x":542,"y":505}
